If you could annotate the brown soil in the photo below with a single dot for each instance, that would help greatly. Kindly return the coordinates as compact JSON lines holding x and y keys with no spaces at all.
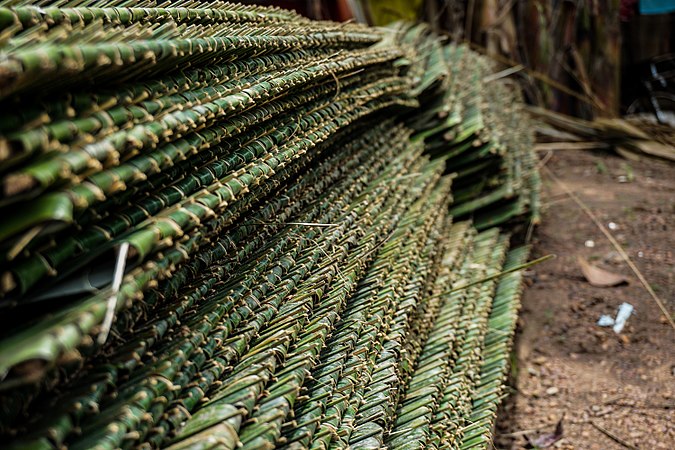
{"x":564,"y":363}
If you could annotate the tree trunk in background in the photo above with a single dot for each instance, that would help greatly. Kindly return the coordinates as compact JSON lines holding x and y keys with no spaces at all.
{"x":599,"y":44}
{"x":576,"y":44}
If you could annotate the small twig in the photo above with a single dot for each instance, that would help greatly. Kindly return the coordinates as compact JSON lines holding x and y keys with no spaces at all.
{"x":502,"y":14}
{"x":613,"y":436}
{"x":666,"y":406}
{"x":503,"y":73}
{"x":530,"y":230}
{"x":553,"y":202}
{"x":524,"y":432}
{"x":497,"y":275}
{"x":379,"y":244}
{"x":545,"y":159}
{"x":409,"y":175}
{"x":590,"y":145}
{"x":118,"y":275}
{"x":337,"y":85}
{"x":535,"y":74}
{"x":613,"y":399}
{"x":304,"y":224}
{"x":615,"y":243}
{"x":311,"y":224}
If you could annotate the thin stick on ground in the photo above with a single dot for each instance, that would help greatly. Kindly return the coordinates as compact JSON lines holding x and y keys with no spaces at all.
{"x":615,"y":243}
{"x":612,"y":436}
{"x":528,"y":431}
{"x":545,"y":159}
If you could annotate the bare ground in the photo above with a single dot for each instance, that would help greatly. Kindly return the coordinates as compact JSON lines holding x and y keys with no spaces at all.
{"x":565,"y":365}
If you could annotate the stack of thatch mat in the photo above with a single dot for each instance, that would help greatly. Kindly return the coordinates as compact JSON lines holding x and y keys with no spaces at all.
{"x":477,"y":125}
{"x":228,"y":226}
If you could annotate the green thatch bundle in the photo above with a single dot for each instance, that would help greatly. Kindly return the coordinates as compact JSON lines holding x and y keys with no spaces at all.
{"x":476,"y":124}
{"x":228,"y":226}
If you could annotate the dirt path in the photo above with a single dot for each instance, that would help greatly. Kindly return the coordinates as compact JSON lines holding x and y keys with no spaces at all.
{"x":565,"y":363}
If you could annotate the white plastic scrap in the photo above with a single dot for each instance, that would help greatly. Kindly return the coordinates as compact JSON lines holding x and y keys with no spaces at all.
{"x":606,"y":321}
{"x":625,"y":310}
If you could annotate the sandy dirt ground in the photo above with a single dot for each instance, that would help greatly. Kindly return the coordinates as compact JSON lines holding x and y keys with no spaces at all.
{"x":565,"y":366}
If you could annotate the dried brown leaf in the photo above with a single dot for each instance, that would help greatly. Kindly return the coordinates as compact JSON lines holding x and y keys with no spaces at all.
{"x":600,"y":277}
{"x":546,"y":439}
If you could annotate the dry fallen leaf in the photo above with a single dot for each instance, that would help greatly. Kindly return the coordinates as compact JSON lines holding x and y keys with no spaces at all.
{"x":599,"y":277}
{"x":546,"y":439}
